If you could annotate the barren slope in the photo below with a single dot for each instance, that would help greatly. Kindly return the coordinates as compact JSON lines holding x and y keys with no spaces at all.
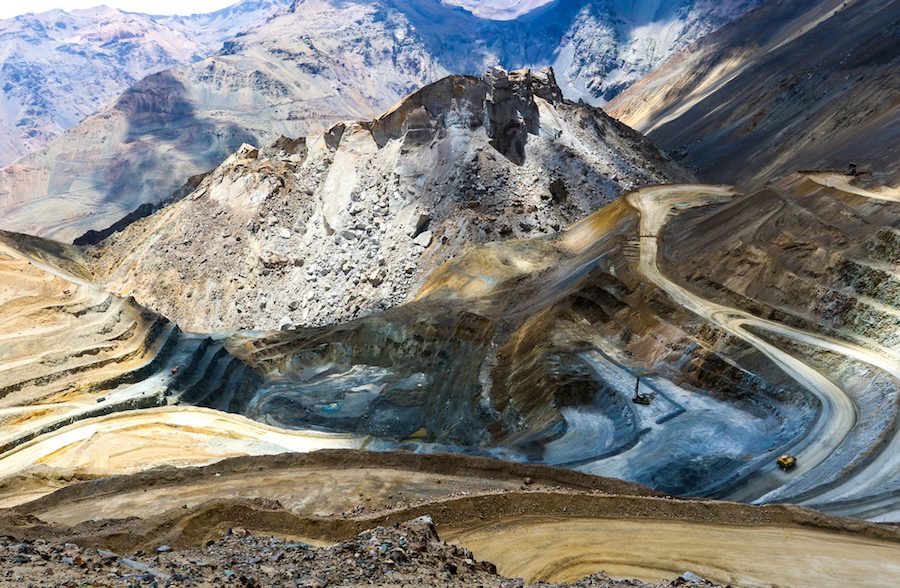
{"x":525,"y":350}
{"x":825,"y":87}
{"x":70,"y":351}
{"x":328,"y":228}
{"x":175,"y":124}
{"x":754,"y":338}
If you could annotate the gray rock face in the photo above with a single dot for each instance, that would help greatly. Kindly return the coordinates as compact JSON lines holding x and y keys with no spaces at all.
{"x":353,"y":221}
{"x":511,"y":114}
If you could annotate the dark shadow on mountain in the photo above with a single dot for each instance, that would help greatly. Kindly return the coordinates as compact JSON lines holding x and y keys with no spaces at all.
{"x":460,"y":40}
{"x":820,"y":100}
{"x":166,"y":142}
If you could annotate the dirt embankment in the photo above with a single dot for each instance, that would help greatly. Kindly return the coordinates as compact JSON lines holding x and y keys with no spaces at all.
{"x":409,"y":554}
{"x":518,"y":516}
{"x":446,"y":464}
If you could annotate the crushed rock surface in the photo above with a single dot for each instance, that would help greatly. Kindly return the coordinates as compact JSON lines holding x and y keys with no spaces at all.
{"x":409,"y":554}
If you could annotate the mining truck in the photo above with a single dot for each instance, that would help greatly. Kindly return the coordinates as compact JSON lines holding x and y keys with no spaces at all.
{"x":787,"y":461}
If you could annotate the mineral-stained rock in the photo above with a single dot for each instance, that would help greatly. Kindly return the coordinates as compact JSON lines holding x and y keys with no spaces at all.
{"x":423,"y":239}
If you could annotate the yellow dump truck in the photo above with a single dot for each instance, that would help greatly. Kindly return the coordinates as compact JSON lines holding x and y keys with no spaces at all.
{"x":787,"y":462}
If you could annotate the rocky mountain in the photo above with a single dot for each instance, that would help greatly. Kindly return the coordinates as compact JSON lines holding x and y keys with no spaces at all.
{"x":478,"y":319}
{"x":322,"y":62}
{"x":611,"y":44}
{"x":825,"y":84}
{"x":532,"y":345}
{"x":58,"y":67}
{"x":326,"y":228}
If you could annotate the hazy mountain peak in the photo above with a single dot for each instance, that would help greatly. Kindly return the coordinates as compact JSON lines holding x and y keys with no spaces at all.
{"x":498,"y":9}
{"x":58,"y":67}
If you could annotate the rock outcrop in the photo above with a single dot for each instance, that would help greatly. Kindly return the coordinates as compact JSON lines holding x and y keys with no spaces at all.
{"x":338,"y":225}
{"x":405,"y":554}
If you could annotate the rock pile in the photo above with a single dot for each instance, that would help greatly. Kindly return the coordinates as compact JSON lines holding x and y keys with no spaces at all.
{"x":325,"y":229}
{"x":410,"y":554}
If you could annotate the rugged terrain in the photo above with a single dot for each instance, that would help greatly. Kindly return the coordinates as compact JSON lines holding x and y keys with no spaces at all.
{"x":752,"y":338}
{"x":59,"y":67}
{"x":324,"y":229}
{"x":825,"y":85}
{"x":164,"y":523}
{"x":320,"y":63}
{"x":489,"y":337}
{"x":408,"y":554}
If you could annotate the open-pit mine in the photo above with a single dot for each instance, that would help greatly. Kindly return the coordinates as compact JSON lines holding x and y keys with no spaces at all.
{"x":491,"y":337}
{"x":681,"y":338}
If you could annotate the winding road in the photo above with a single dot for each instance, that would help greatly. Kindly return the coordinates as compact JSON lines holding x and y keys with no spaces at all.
{"x":838,"y":415}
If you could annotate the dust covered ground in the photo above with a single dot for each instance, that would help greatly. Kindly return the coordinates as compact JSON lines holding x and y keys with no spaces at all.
{"x":287,"y":520}
{"x":408,"y":554}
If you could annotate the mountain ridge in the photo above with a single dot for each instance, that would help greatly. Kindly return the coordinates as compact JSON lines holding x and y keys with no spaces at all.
{"x":299,"y":73}
{"x":58,"y":67}
{"x":825,"y":93}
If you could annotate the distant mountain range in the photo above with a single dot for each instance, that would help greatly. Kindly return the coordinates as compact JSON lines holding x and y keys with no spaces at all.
{"x":795,"y":84}
{"x":58,"y":67}
{"x":316,"y":63}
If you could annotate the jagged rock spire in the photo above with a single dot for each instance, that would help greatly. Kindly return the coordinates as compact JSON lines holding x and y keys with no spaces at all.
{"x":511,"y":112}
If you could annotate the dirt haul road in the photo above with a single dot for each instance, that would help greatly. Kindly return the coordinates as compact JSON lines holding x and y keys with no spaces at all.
{"x":838,"y":415}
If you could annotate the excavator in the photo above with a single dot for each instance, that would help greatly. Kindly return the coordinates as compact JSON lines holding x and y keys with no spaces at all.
{"x":640,"y":398}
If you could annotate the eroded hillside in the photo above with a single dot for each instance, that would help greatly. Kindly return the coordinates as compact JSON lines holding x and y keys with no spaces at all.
{"x":825,"y":84}
{"x":328,"y":228}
